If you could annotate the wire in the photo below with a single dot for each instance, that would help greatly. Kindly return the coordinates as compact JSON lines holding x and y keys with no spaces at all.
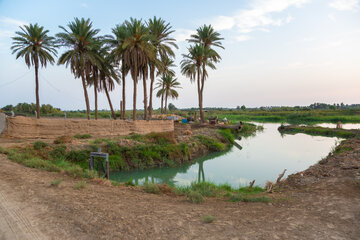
{"x":16,"y":79}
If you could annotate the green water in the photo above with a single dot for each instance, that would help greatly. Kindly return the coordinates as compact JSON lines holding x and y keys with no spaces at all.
{"x":261,"y":157}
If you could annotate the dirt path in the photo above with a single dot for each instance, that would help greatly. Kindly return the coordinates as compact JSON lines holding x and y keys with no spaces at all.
{"x":32,"y":209}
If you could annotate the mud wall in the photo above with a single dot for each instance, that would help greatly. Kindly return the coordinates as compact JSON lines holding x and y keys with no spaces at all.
{"x":23,"y":127}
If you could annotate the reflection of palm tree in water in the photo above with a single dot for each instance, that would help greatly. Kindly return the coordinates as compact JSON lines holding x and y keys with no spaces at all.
{"x":201,"y":173}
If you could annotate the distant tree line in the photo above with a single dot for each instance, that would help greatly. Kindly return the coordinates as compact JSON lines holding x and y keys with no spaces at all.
{"x":30,"y":108}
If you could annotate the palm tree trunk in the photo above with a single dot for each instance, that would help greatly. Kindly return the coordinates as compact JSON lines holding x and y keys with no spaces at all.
{"x":162,"y":100}
{"x":37,"y":88}
{"x":152,"y":78}
{"x":123,"y":91}
{"x":199,"y":96}
{"x":134,"y":95}
{"x":166,"y":97}
{"x":85,"y":94}
{"x":145,"y":97}
{"x":109,"y":100}
{"x":96,"y":99}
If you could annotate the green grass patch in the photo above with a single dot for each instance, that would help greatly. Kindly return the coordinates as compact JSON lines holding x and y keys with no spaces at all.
{"x":341,"y":149}
{"x":82,"y":136}
{"x":238,"y":197}
{"x":56,"y":183}
{"x":80,"y":185}
{"x":38,"y":145}
{"x":211,"y":143}
{"x":228,"y":135}
{"x":41,"y":164}
{"x":151,"y":188}
{"x":208,"y":218}
{"x":194,"y":197}
{"x":318,"y":131}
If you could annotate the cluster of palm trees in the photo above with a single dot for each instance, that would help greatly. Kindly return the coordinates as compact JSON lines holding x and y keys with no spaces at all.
{"x":140,"y":49}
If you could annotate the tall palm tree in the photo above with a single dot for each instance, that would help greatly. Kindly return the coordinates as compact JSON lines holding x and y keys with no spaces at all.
{"x":168,"y":85}
{"x":116,"y":42}
{"x":166,"y":64}
{"x":191,"y":67}
{"x":137,"y":53}
{"x":36,"y":47}
{"x":208,"y":38}
{"x":80,"y":38}
{"x":160,"y":32}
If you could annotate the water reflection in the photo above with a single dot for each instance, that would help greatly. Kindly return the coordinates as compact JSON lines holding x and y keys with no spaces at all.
{"x":261,"y":157}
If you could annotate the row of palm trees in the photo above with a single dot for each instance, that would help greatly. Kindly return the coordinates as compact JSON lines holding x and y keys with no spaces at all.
{"x":140,"y":49}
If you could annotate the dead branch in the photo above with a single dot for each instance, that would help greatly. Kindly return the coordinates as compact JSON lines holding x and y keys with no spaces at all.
{"x":252,"y":183}
{"x":280,"y":176}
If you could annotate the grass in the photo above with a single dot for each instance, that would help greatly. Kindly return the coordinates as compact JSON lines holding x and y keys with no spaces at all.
{"x":227,"y":135}
{"x":318,"y":131}
{"x":194,"y":197}
{"x":38,"y":145}
{"x":56,"y":183}
{"x":211,"y":143}
{"x":341,"y":149}
{"x":82,"y":136}
{"x":151,"y":188}
{"x":238,"y":197}
{"x":208,"y":218}
{"x":80,"y":185}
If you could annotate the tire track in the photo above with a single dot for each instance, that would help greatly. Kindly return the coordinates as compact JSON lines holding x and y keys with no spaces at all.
{"x":17,"y":225}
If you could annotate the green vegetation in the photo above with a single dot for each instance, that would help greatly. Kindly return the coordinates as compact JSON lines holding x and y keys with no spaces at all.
{"x":341,"y":148}
{"x":211,"y":143}
{"x":318,"y":131}
{"x":82,"y":136}
{"x":197,"y":191}
{"x":56,"y":183}
{"x":38,"y":145}
{"x":228,"y":135}
{"x":80,"y":185}
{"x":208,"y":218}
{"x":151,"y":188}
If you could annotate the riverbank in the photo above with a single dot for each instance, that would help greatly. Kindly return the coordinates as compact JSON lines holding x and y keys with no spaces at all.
{"x":70,"y":154}
{"x":318,"y":203}
{"x":319,"y":131}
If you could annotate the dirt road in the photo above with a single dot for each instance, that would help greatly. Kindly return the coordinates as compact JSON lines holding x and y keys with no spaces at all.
{"x":32,"y":209}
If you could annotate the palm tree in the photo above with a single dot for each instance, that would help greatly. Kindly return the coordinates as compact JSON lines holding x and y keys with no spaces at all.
{"x":80,"y":38}
{"x":191,"y":67}
{"x":137,"y":53}
{"x":168,"y":85}
{"x":207,"y":37}
{"x":116,"y":42}
{"x":160,"y":38}
{"x":166,"y":64}
{"x":35,"y":46}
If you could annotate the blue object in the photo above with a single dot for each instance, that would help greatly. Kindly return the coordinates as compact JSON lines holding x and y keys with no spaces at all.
{"x":184,"y":121}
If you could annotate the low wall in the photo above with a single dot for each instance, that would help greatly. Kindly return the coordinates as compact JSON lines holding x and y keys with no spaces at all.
{"x":23,"y":127}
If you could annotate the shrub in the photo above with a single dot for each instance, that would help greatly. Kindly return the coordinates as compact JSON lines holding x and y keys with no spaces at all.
{"x":80,"y":185}
{"x":38,"y":145}
{"x":75,"y":171}
{"x":78,"y":156}
{"x":195,"y":197}
{"x":58,"y":152}
{"x":204,"y":188}
{"x":208,"y":218}
{"x":56,"y":183}
{"x":151,"y":188}
{"x":82,"y":136}
{"x":89,"y":174}
{"x":62,"y":140}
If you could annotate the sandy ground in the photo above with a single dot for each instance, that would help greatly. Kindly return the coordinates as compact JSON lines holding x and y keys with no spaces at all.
{"x":323,"y":204}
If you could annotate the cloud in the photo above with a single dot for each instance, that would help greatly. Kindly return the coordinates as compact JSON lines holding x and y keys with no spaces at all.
{"x":84,"y":5}
{"x":345,"y":5}
{"x":242,"y":38}
{"x":183,"y":34}
{"x":258,"y":16}
{"x":11,"y":22}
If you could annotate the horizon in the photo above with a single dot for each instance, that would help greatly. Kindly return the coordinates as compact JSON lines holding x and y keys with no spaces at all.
{"x":277,"y":53}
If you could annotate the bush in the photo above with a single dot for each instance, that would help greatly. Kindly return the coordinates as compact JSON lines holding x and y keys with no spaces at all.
{"x":80,"y":185}
{"x":151,"y":188}
{"x":75,"y":171}
{"x":38,"y":145}
{"x":194,"y":197}
{"x":62,"y":140}
{"x":82,"y":136}
{"x":58,"y":152}
{"x":78,"y":156}
{"x":208,"y":218}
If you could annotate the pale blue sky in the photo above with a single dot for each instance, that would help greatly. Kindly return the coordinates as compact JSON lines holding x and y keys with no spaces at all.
{"x":277,"y":52}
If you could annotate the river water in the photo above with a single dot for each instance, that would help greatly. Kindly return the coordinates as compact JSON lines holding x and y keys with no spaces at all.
{"x":262,"y":157}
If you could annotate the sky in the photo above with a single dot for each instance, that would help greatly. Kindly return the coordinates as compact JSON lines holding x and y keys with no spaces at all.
{"x":277,"y":52}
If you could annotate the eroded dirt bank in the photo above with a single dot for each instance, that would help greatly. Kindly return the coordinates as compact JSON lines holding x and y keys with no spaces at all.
{"x":319,"y":203}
